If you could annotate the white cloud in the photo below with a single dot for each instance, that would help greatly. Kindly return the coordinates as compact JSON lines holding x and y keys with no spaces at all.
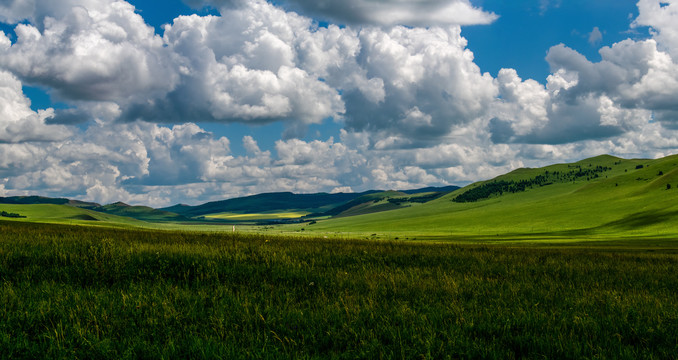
{"x":524,"y":104}
{"x":425,"y":72}
{"x":635,"y":75}
{"x":18,"y":123}
{"x":661,"y":17}
{"x":422,"y":13}
{"x":105,"y":52}
{"x":595,"y":36}
{"x":336,"y":190}
{"x":245,"y":65}
{"x":255,"y":63}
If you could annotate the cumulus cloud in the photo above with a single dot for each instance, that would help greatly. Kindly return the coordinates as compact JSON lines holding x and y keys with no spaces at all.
{"x":635,"y":75}
{"x":247,"y":65}
{"x":422,"y":13}
{"x":523,"y":104}
{"x":395,"y":12}
{"x":18,"y":123}
{"x":661,"y":17}
{"x":255,"y":63}
{"x":431,"y":84}
{"x":98,"y":53}
{"x":633,"y":85}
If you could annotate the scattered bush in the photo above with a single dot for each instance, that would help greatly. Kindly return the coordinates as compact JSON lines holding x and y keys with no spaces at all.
{"x":11,"y":215}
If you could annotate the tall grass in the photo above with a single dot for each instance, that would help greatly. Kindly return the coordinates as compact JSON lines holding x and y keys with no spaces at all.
{"x":74,"y":292}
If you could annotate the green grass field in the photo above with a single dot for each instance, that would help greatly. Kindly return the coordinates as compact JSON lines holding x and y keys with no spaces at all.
{"x":258,"y":216}
{"x":91,"y":292}
{"x":570,"y":269}
{"x":625,"y":201}
{"x":622,"y":202}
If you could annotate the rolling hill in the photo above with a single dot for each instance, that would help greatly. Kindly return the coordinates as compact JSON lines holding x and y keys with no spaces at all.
{"x":600,"y":196}
{"x":263,"y":203}
{"x":381,"y":201}
{"x":597,"y":198}
{"x":144,"y":213}
{"x":318,"y":204}
{"x":25,"y":200}
{"x":249,"y":209}
{"x":68,"y":214}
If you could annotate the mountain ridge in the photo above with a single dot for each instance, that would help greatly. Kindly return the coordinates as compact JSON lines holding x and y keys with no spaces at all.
{"x":258,"y":203}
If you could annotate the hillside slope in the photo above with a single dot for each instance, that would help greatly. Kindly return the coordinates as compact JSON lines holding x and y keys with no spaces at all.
{"x":67,"y":214}
{"x":267,"y":202}
{"x":597,"y":196}
{"x":144,"y":213}
{"x":318,"y":204}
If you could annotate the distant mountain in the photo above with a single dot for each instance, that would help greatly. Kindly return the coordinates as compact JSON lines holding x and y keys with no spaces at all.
{"x":320,"y":204}
{"x":144,"y":213}
{"x":32,"y":200}
{"x":386,"y":201}
{"x":267,"y":202}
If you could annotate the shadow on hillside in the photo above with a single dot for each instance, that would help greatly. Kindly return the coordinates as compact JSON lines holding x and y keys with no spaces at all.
{"x":84,"y":217}
{"x":631,"y":222}
{"x":642,"y":219}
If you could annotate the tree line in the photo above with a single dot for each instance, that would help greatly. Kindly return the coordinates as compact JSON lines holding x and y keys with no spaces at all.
{"x":499,"y":187}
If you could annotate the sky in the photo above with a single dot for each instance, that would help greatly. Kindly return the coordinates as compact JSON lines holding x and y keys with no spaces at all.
{"x":202,"y":100}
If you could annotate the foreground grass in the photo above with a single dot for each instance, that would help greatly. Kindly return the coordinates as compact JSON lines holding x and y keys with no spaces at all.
{"x":77,"y":292}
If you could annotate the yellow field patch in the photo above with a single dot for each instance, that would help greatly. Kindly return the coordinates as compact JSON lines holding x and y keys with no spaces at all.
{"x":258,"y":216}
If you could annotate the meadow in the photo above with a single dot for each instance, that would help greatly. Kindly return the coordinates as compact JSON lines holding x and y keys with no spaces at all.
{"x":94,"y":292}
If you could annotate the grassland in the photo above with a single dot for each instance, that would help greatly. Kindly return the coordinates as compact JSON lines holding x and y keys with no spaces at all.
{"x":623,"y":201}
{"x":90,"y":292}
{"x":257,"y":216}
{"x":598,"y":199}
{"x":64,"y":214}
{"x":578,"y":268}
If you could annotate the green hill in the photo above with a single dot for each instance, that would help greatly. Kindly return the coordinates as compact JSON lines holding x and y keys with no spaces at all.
{"x":601,"y":196}
{"x":26,"y":200}
{"x":66,"y":214}
{"x":276,"y":205}
{"x":382,"y":201}
{"x":598,"y":198}
{"x":266,"y":203}
{"x":144,"y":213}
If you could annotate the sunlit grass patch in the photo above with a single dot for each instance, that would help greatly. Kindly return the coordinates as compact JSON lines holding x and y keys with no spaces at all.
{"x":258,"y":216}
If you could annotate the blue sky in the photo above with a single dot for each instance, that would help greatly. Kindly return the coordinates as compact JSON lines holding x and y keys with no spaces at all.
{"x":526,"y":30}
{"x":518,"y":39}
{"x":101,"y":102}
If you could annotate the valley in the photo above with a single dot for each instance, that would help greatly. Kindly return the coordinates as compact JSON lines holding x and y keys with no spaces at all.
{"x":600,"y":198}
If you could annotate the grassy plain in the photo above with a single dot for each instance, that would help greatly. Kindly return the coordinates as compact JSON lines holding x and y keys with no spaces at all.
{"x":629,"y":199}
{"x":258,"y":216}
{"x":92,"y":292}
